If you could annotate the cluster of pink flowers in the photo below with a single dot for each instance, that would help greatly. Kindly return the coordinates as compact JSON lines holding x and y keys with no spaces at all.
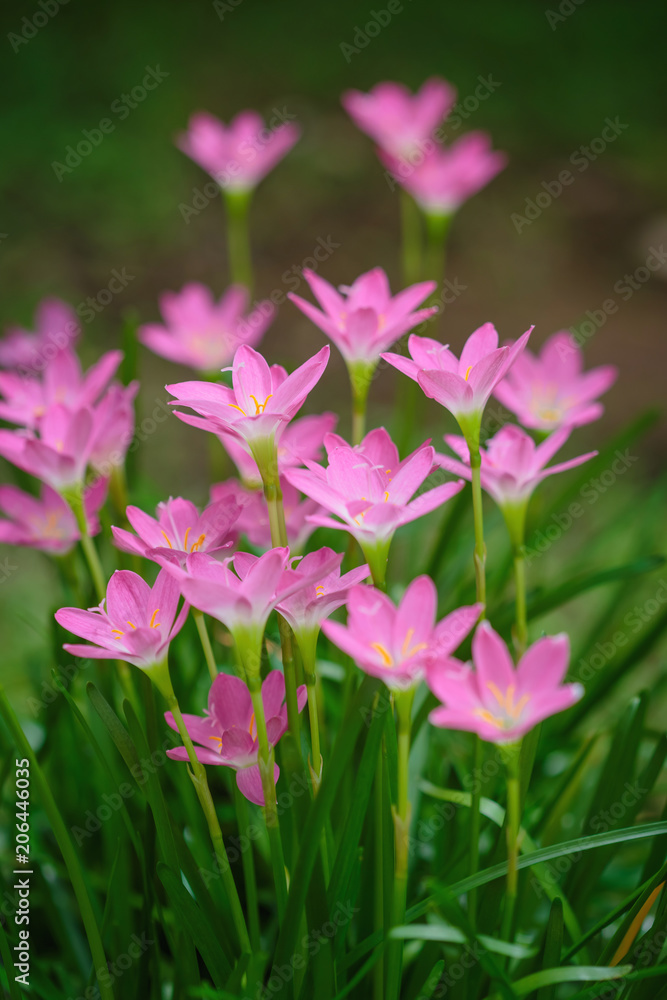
{"x":71,"y":430}
{"x":71,"y":423}
{"x":406,"y":127}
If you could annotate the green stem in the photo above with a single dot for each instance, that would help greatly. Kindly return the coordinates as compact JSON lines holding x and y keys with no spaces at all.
{"x":512,"y":827}
{"x":478,"y":516}
{"x":411,"y":239}
{"x":200,"y":782}
{"x":200,"y":622}
{"x":475,"y":824}
{"x":75,"y":501}
{"x":238,"y":238}
{"x":437,"y":227}
{"x":266,"y":770}
{"x":307,"y":646}
{"x":361,"y":375}
{"x":521,"y":631}
{"x":248,"y":861}
{"x":378,"y":901}
{"x":70,"y":857}
{"x":401,"y":840}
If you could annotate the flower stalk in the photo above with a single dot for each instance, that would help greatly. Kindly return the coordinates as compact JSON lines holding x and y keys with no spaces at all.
{"x":238,"y":237}
{"x":200,"y":622}
{"x":401,"y":816}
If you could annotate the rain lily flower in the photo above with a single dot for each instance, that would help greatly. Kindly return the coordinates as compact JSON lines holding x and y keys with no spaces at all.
{"x":551,"y":390}
{"x":179,"y":529}
{"x":369,"y":490}
{"x":446,"y":176}
{"x":56,"y":327}
{"x":240,"y":154}
{"x":512,"y":466}
{"x":394,"y":643}
{"x":135,"y":622}
{"x":27,"y":399}
{"x":253,"y":521}
{"x":307,"y":608}
{"x":396,"y":119}
{"x":202,"y":333}
{"x":113,"y":427}
{"x":227,"y":735}
{"x":59,"y":454}
{"x":363,"y":319}
{"x":258,"y":406}
{"x":300,"y":442}
{"x":496,"y":700}
{"x":462,"y":385}
{"x":47,"y":522}
{"x":242,"y":597}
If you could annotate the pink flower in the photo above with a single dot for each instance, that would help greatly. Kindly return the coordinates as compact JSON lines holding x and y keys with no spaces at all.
{"x":47,"y":523}
{"x":446,"y":176}
{"x":56,"y":326}
{"x":551,"y":390}
{"x":253,"y":521}
{"x":59,"y":454}
{"x":370,"y":490}
{"x":306,"y":609}
{"x":26,"y":399}
{"x":512,"y":464}
{"x":113,"y":428}
{"x":462,"y":385}
{"x":497,"y":701}
{"x":227,"y":734}
{"x":396,"y":644}
{"x":241,"y":598}
{"x":134,"y":623}
{"x":300,"y":442}
{"x":259,"y":405}
{"x":240,"y":154}
{"x":396,"y":119}
{"x":178,"y":530}
{"x":204,"y":334}
{"x":364,"y":320}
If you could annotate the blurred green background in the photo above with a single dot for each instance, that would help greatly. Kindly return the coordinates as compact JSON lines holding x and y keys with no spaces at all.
{"x":559,"y":71}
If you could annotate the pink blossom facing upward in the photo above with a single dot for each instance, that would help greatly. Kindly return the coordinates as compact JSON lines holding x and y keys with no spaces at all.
{"x":307,"y":608}
{"x":260,"y":403}
{"x":396,"y":119}
{"x":227,"y":735}
{"x":394,"y":643}
{"x":363,"y":319}
{"x":368,"y":490}
{"x":202,"y":333}
{"x":47,"y":522}
{"x":56,"y":327}
{"x":551,"y":390}
{"x":462,"y":385}
{"x":179,"y":529}
{"x":135,"y":622}
{"x":512,"y":464}
{"x":240,"y":154}
{"x":446,"y":176}
{"x":496,"y":700}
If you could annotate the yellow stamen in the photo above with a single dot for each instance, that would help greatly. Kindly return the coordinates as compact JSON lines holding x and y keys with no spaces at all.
{"x":260,"y":407}
{"x":408,"y":650}
{"x":131,"y":625}
{"x":235,"y":407}
{"x":252,"y":726}
{"x":506,"y":701}
{"x":198,"y":544}
{"x":166,"y":538}
{"x":153,"y":617}
{"x":379,"y":648}
{"x":219,"y":740}
{"x":185,"y":540}
{"x":494,"y":720}
{"x":386,"y":496}
{"x":468,"y":372}
{"x":120,"y":632}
